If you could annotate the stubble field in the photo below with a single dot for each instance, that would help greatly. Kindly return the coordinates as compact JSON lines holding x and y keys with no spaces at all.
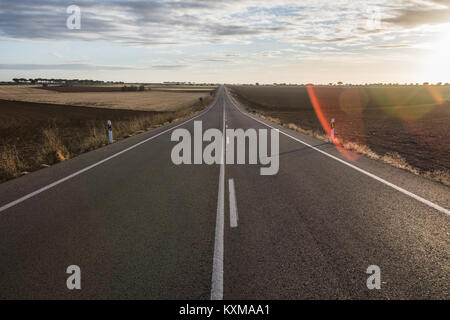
{"x":105,"y":97}
{"x":408,"y":127}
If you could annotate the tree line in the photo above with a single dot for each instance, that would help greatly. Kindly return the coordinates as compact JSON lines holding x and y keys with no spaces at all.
{"x":62,"y":81}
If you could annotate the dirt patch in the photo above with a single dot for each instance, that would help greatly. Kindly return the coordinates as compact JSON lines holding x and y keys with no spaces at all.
{"x":407,"y":127}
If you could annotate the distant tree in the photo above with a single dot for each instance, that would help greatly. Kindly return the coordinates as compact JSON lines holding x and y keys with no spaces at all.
{"x":439,"y":84}
{"x":142,"y":88}
{"x":426,"y":83}
{"x":257,"y":83}
{"x":16,"y":80}
{"x":130,"y":88}
{"x":340,"y":83}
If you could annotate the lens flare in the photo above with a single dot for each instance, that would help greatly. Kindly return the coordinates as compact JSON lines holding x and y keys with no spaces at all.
{"x":406,"y":103}
{"x":435,"y":94}
{"x":326,"y":124}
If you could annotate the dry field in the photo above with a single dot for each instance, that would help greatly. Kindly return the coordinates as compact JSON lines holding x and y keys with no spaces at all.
{"x":35,"y":135}
{"x":408,"y":127}
{"x":183,"y":87}
{"x":197,"y":90}
{"x":144,"y":101}
{"x":118,"y":88}
{"x":84,"y":88}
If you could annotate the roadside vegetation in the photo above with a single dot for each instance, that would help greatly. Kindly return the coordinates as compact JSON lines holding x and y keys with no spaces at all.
{"x":37,"y":135}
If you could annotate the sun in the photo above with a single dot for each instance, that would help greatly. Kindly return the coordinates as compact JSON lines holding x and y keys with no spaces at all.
{"x":437,"y":62}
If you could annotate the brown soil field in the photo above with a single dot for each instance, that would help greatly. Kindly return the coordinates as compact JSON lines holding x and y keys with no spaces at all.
{"x":34,"y":135}
{"x":143,"y":101}
{"x":118,"y":88}
{"x":181,"y":90}
{"x":86,"y":88}
{"x":189,"y":87}
{"x":408,"y":127}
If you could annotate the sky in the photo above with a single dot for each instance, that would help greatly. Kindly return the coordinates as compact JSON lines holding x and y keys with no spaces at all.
{"x":230,"y":41}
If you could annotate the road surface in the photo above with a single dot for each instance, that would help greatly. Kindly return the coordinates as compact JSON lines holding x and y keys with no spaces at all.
{"x":139,"y":226}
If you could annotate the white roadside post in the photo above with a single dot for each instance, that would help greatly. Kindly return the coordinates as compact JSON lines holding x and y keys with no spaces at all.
{"x":332,"y":130}
{"x":110,"y":136}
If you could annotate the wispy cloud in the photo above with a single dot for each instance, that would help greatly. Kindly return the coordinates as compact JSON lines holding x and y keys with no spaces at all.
{"x":57,"y":55}
{"x":392,"y":46}
{"x":69,"y":66}
{"x":155,"y":22}
{"x":170,"y":67}
{"x":187,"y":35}
{"x":411,"y":18}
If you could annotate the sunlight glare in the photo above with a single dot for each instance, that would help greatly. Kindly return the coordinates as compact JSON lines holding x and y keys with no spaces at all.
{"x":438,"y":61}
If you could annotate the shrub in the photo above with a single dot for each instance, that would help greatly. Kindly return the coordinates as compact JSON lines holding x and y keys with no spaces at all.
{"x":10,"y":162}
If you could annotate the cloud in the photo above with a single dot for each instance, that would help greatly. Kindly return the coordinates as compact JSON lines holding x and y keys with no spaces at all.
{"x":411,"y":18}
{"x":86,"y":66}
{"x":392,"y":46}
{"x":313,"y":39}
{"x":57,"y":55}
{"x":214,"y":60}
{"x":237,"y":31}
{"x":170,"y":67}
{"x":175,"y":22}
{"x":68,"y":66}
{"x":131,"y":22}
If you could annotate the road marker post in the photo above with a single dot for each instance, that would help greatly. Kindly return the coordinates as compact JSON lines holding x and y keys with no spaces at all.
{"x":110,"y":135}
{"x":332,"y":130}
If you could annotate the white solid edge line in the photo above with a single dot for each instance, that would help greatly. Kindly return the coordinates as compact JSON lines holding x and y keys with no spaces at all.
{"x":406,"y":192}
{"x":32,"y":194}
{"x":233,"y":204}
{"x":217,"y":273}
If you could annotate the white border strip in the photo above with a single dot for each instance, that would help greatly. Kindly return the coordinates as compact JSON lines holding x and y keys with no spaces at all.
{"x":32,"y":194}
{"x":406,"y":192}
{"x":217,"y":274}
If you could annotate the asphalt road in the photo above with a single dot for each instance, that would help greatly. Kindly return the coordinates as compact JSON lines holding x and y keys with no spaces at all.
{"x":141,"y":227}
